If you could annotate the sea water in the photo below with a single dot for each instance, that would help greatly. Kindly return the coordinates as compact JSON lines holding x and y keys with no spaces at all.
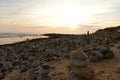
{"x":9,"y":38}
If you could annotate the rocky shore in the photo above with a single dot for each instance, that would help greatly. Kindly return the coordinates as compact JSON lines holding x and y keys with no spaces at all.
{"x":61,"y":56}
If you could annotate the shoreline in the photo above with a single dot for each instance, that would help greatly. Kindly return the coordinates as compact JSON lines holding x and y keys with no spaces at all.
{"x":43,"y":37}
{"x":18,"y":39}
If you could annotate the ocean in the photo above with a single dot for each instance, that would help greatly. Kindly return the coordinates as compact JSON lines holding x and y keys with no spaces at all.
{"x":9,"y":38}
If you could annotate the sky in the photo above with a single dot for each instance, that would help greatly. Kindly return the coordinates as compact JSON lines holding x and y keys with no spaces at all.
{"x":58,"y":16}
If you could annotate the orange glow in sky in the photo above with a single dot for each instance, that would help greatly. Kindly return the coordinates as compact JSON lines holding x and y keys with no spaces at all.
{"x":61,"y":16}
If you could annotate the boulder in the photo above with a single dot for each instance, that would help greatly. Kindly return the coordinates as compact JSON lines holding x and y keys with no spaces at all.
{"x":84,"y":73}
{"x":79,"y":63}
{"x":95,"y":56}
{"x":78,"y":54}
{"x":107,"y":53}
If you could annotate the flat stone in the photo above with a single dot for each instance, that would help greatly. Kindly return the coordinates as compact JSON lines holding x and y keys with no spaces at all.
{"x":45,"y":78}
{"x":78,"y":54}
{"x":79,"y":63}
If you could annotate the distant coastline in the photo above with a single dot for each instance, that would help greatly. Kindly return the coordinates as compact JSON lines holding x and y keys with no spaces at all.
{"x":10,"y":38}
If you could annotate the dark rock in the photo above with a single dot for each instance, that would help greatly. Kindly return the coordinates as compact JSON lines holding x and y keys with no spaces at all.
{"x":7,"y":66}
{"x":84,"y":73}
{"x":24,"y":69}
{"x":1,"y":75}
{"x":1,"y":64}
{"x":107,"y":53}
{"x":95,"y":56}
{"x":45,"y":69}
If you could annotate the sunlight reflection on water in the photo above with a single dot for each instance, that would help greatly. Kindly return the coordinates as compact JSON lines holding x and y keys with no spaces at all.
{"x":9,"y":40}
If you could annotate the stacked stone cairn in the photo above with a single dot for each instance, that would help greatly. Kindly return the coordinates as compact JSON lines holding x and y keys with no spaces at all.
{"x":79,"y":66}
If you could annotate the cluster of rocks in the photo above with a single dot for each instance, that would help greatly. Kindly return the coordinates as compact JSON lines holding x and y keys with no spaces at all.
{"x":79,"y":66}
{"x":96,"y":53}
{"x":81,"y":57}
{"x":28,"y":56}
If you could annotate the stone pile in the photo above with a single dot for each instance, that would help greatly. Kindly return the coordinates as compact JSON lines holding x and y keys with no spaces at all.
{"x":29,"y":55}
{"x":96,"y":53}
{"x":79,"y":66}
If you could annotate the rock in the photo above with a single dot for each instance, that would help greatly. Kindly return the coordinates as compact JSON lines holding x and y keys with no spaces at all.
{"x":84,"y":73}
{"x":1,"y":64}
{"x":1,"y":75}
{"x":25,"y":77}
{"x":31,"y":58}
{"x":6,"y":66}
{"x":95,"y":56}
{"x":98,"y":54}
{"x":24,"y":69}
{"x":79,"y":63}
{"x":107,"y":53}
{"x":45,"y":78}
{"x":72,"y":76}
{"x":78,"y":54}
{"x":45,"y":69}
{"x":118,"y":68}
{"x":18,"y":76}
{"x":34,"y":64}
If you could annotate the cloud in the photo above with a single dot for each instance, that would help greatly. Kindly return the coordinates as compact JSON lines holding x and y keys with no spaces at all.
{"x":43,"y":14}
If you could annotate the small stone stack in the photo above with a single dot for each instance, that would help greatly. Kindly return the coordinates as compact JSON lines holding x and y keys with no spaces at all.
{"x":79,"y":66}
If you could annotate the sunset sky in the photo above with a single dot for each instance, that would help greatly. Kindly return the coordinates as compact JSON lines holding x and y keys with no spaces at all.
{"x":61,"y":16}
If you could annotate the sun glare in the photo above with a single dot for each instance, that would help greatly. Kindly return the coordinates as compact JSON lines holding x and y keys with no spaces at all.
{"x":69,"y":16}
